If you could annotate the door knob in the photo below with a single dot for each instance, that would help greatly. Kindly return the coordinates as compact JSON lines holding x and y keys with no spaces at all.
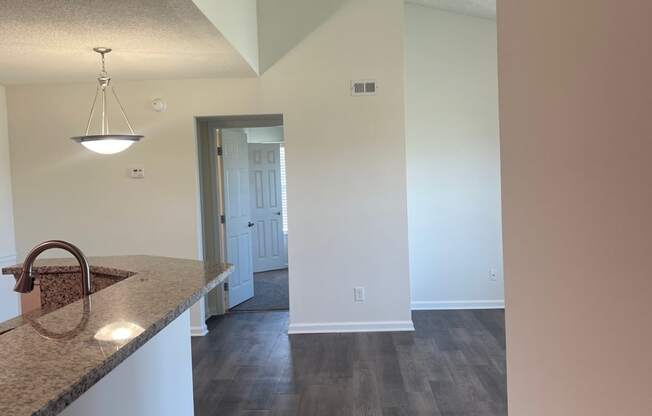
{"x":250,"y":224}
{"x":278,"y":213}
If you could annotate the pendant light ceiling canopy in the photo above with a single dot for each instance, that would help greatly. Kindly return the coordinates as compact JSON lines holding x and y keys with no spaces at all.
{"x":106,"y":142}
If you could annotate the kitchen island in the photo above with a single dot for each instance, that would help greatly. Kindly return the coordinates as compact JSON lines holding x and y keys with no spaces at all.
{"x":123,"y":350}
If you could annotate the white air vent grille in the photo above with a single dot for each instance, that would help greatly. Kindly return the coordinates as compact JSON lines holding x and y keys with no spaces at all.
{"x":363,"y":87}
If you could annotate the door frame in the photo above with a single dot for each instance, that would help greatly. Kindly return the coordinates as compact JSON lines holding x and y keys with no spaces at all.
{"x":211,"y":196}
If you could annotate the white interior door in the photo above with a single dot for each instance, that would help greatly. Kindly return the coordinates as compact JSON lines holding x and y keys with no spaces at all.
{"x":266,"y":207}
{"x":237,"y":212}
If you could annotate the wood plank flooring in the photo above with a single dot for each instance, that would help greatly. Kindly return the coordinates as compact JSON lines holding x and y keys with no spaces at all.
{"x":452,"y":365}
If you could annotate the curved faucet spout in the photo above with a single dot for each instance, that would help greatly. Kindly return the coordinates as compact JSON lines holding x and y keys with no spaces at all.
{"x":25,"y":282}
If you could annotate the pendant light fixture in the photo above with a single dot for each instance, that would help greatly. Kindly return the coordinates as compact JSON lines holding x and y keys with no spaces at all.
{"x":106,"y":143}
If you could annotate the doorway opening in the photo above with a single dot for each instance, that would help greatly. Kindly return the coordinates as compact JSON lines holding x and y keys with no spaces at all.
{"x":244,"y":210}
{"x":266,"y":198}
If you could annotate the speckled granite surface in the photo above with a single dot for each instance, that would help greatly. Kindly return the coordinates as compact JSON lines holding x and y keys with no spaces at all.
{"x":50,"y":359}
{"x":60,"y":286}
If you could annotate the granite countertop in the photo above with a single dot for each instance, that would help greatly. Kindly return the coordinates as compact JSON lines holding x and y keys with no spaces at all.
{"x":52,"y":358}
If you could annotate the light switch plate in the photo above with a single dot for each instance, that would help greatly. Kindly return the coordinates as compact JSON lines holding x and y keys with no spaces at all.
{"x":137,"y":172}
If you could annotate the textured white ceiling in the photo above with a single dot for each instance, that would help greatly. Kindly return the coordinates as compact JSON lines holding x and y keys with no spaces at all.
{"x":52,"y":41}
{"x":478,"y":8}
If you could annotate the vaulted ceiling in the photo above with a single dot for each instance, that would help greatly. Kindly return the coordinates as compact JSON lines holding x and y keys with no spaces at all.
{"x":478,"y":8}
{"x":52,"y":41}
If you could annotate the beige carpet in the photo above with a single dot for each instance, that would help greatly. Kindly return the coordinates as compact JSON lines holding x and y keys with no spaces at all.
{"x":271,"y":292}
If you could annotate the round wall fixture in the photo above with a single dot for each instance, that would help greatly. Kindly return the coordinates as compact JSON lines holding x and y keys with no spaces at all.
{"x":159,"y":105}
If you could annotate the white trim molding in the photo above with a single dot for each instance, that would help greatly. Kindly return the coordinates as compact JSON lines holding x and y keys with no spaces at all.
{"x":198,"y":319}
{"x":198,"y":331}
{"x":457,"y":304}
{"x":340,"y":327}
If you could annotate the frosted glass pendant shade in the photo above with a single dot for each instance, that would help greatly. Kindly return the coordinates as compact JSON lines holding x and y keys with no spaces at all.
{"x":106,"y":143}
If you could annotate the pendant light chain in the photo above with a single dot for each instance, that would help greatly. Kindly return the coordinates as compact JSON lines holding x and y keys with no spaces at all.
{"x":104,"y":80}
{"x":103,"y":72}
{"x":104,"y":122}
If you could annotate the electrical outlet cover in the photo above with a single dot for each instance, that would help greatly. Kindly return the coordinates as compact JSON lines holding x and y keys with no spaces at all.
{"x":358,"y":294}
{"x":493,"y":276}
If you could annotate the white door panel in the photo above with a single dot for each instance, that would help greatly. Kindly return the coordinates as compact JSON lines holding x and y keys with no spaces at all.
{"x":266,"y":207}
{"x":235,"y":160}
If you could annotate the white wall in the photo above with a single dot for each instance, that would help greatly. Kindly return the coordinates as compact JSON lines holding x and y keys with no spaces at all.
{"x":237,"y":21}
{"x":453,"y":160}
{"x":345,"y":155}
{"x":154,"y":380}
{"x":9,"y":300}
{"x":576,"y":141}
{"x":345,"y":168}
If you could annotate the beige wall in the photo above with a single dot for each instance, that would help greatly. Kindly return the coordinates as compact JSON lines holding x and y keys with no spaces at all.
{"x":7,"y":246}
{"x":345,"y":155}
{"x":576,"y":143}
{"x":346,"y":166}
{"x":453,"y":160}
{"x":63,"y":191}
{"x":9,"y":306}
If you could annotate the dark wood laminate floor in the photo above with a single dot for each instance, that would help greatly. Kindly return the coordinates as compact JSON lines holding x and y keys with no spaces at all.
{"x":452,"y":365}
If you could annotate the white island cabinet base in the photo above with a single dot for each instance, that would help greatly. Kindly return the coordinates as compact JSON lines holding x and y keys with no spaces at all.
{"x":155,"y":380}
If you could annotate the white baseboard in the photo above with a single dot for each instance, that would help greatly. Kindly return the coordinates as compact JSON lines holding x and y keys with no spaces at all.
{"x":339,"y":327}
{"x":458,"y":304}
{"x":198,"y":331}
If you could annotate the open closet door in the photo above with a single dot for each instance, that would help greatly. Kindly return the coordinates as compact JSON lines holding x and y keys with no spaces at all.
{"x":237,"y":209}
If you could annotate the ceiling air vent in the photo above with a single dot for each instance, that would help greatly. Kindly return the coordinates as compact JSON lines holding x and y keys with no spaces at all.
{"x":363,"y":87}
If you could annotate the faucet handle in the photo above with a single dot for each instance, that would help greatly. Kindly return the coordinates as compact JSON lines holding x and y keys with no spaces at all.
{"x":25,"y":282}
